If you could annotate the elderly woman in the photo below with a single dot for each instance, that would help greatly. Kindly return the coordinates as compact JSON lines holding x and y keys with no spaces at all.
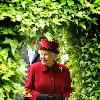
{"x":48,"y":80}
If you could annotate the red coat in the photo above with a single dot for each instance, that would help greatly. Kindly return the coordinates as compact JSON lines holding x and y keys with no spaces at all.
{"x":48,"y":81}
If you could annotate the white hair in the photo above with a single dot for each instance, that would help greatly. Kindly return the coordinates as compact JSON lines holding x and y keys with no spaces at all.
{"x":53,"y":54}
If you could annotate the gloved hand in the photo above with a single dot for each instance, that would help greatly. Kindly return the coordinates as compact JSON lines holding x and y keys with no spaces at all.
{"x":55,"y":97}
{"x":26,"y":98}
{"x":42,"y":97}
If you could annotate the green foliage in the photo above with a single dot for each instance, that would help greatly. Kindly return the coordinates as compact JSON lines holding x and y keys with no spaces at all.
{"x":90,"y":62}
{"x":81,"y":42}
{"x":20,"y":21}
{"x":76,"y":26}
{"x":10,"y":75}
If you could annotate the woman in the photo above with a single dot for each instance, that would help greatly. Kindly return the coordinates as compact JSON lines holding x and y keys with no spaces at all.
{"x":48,"y":80}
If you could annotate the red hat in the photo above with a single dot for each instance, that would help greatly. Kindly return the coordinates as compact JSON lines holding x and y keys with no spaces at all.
{"x":49,"y":45}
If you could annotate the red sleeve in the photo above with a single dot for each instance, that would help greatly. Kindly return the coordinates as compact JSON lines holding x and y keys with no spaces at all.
{"x":68,"y":89}
{"x":29,"y":84}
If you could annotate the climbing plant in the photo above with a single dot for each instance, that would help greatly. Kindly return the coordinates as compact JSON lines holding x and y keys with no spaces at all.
{"x":20,"y":21}
{"x":75,"y":24}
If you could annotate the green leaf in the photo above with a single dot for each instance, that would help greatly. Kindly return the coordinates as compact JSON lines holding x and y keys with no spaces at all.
{"x":47,"y":23}
{"x":19,"y":17}
{"x":13,"y":44}
{"x":7,"y":31}
{"x":82,"y":25}
{"x":97,"y":1}
{"x":23,"y":4}
{"x":91,"y":50}
{"x":98,"y":45}
{"x":80,"y":14}
{"x":96,"y":59}
{"x":7,"y":88}
{"x":81,"y":1}
{"x":94,"y":20}
{"x":63,"y":1}
{"x":98,"y":65}
{"x":56,"y":21}
{"x":42,"y":23}
{"x":4,"y":53}
{"x":97,"y":53}
{"x":2,"y":94}
{"x":5,"y":78}
{"x":34,"y":29}
{"x":70,"y":2}
{"x":48,"y":36}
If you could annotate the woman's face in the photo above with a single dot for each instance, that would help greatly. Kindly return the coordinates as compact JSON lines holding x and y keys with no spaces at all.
{"x":46,"y":57}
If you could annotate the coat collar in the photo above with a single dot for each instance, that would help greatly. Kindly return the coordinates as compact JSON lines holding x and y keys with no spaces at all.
{"x":55,"y":67}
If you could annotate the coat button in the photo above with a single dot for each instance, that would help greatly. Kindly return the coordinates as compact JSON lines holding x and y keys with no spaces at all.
{"x":52,"y":78}
{"x":52,"y":88}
